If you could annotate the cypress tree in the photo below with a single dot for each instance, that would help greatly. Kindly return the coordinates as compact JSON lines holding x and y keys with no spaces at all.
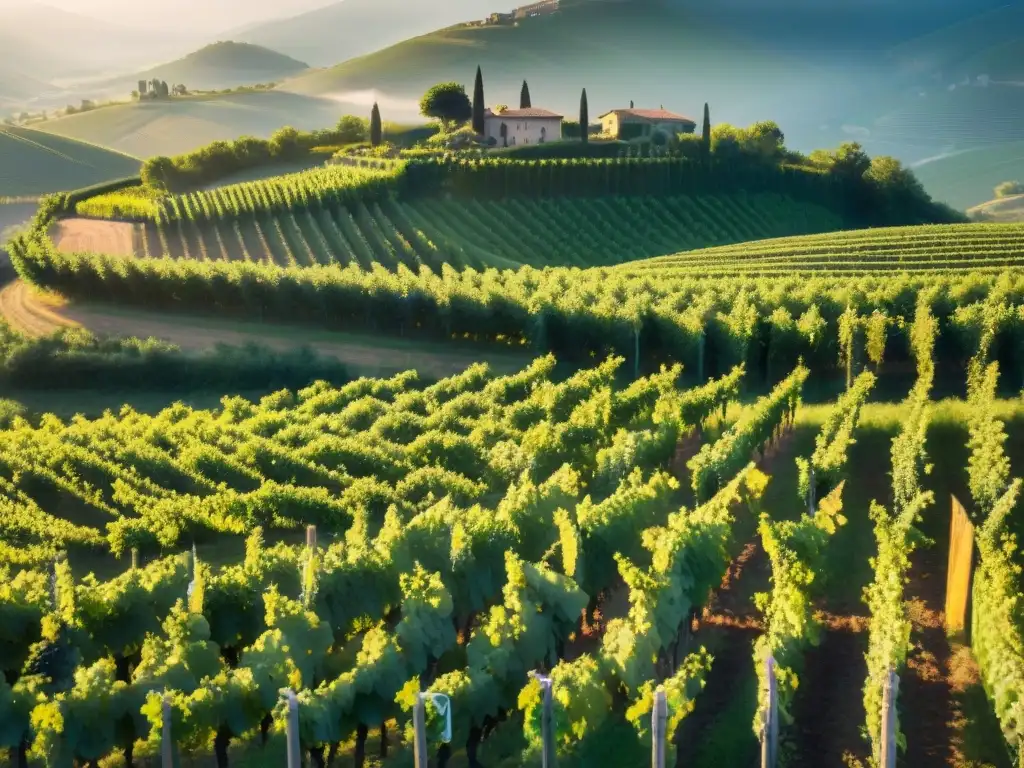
{"x":706,"y":132}
{"x":524,"y":97}
{"x":375,"y":126}
{"x":584,"y":118}
{"x":478,"y":103}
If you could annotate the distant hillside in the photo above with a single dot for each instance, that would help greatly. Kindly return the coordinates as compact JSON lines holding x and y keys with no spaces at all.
{"x":47,"y":43}
{"x":16,"y":87}
{"x":642,"y":51}
{"x":350,"y":28}
{"x":178,"y":125}
{"x":225,"y":65}
{"x":989,"y":43}
{"x":967,"y":178}
{"x":1005,"y":209}
{"x":34,"y":163}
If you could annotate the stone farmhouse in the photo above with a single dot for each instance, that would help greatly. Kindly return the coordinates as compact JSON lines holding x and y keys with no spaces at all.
{"x":635,"y":123}
{"x":524,"y":12}
{"x":515,"y":127}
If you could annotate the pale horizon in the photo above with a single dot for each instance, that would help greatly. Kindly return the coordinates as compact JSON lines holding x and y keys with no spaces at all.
{"x":199,"y":16}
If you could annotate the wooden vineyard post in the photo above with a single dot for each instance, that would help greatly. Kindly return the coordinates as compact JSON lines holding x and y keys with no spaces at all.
{"x":659,"y":720}
{"x":166,"y":746}
{"x":419,"y":724}
{"x":547,"y":724}
{"x":960,"y":570}
{"x":311,"y":537}
{"x":889,"y":695}
{"x":770,"y":727}
{"x":294,"y":754}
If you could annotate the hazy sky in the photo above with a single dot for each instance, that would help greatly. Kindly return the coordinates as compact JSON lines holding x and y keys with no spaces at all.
{"x":193,"y":15}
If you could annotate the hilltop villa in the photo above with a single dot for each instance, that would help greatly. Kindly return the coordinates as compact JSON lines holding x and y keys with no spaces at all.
{"x":514,"y":127}
{"x":632,"y":123}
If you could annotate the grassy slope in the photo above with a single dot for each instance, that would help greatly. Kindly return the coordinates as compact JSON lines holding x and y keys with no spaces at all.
{"x":618,"y":51}
{"x":223,"y":65}
{"x":179,"y":125}
{"x":348,"y":28}
{"x":982,"y":44}
{"x":34,"y":163}
{"x":971,"y":176}
{"x":641,"y":52}
{"x":1004,"y":209}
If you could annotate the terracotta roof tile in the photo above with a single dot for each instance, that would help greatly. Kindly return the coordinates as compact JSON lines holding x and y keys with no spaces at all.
{"x":521,"y":113}
{"x":651,"y":114}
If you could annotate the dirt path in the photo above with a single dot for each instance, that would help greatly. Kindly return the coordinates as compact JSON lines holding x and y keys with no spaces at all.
{"x":828,"y":711}
{"x":96,"y":236}
{"x":948,"y":722}
{"x":368,"y":355}
{"x":720,"y":731}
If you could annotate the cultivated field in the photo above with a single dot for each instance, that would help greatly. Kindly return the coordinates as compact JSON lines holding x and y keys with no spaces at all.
{"x":33,"y":163}
{"x":703,"y":475}
{"x":39,"y":315}
{"x":179,"y":125}
{"x":538,"y":522}
{"x":479,"y":234}
{"x":956,"y":247}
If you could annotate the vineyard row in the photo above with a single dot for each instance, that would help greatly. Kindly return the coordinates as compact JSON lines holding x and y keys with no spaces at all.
{"x":483,"y":234}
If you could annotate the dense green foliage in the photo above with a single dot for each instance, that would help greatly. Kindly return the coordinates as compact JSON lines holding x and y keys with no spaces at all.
{"x":996,"y":635}
{"x":76,"y":359}
{"x":649,"y":315}
{"x":453,"y":500}
{"x":797,"y":550}
{"x":222,"y":158}
{"x":896,"y":534}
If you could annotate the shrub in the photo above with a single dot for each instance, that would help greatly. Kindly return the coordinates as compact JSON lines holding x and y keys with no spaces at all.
{"x":1009,"y":188}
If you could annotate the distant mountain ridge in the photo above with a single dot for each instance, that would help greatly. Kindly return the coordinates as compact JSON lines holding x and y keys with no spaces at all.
{"x":350,"y":28}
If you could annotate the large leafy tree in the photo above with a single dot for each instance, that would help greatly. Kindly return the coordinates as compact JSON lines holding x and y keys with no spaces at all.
{"x":448,"y":103}
{"x":352,"y":129}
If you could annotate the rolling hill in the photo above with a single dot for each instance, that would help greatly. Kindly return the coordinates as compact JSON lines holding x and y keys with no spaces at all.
{"x":824,"y":79}
{"x":965,"y":179}
{"x":350,"y":28}
{"x":34,"y":163}
{"x":224,"y":65}
{"x":49,"y":43}
{"x":989,"y":43}
{"x":620,"y":51}
{"x":170,"y":127}
{"x":1004,"y":209}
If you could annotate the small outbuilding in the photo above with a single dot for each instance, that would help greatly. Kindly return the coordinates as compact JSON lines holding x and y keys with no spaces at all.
{"x":635,"y":123}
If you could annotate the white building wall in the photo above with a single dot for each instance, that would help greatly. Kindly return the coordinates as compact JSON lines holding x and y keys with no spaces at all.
{"x":524,"y":130}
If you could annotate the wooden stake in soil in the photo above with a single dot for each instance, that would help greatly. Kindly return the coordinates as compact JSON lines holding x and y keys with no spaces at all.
{"x":294,"y":755}
{"x":889,"y":694}
{"x":770,"y":729}
{"x":547,"y":725}
{"x":960,"y":570}
{"x":166,"y":747}
{"x":659,"y":720}
{"x":419,"y":724}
